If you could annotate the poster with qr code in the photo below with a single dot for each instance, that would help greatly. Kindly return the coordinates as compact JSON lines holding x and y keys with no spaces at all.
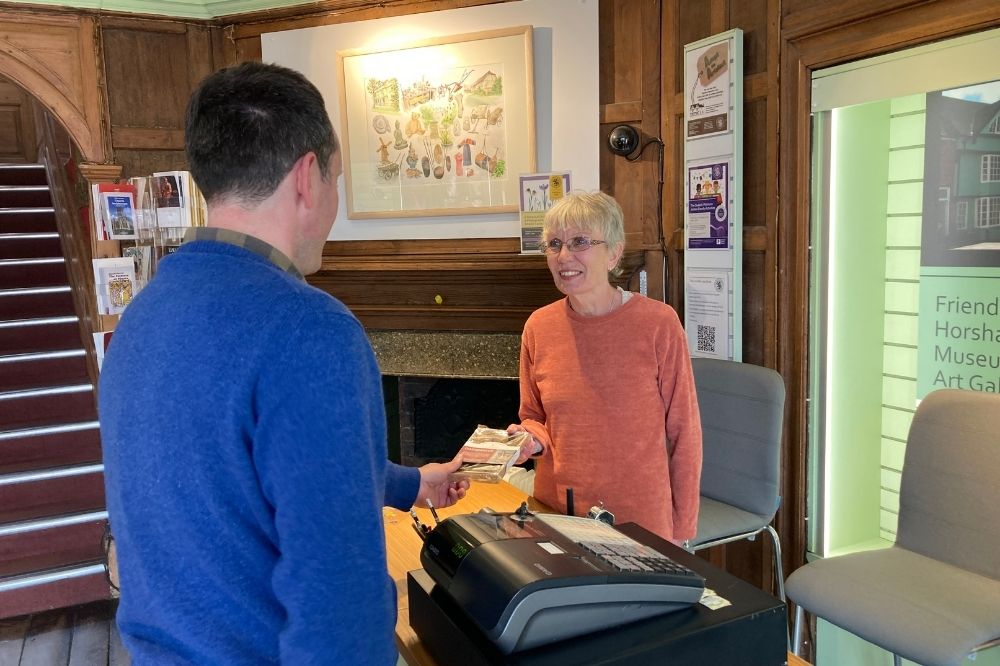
{"x":708,"y":314}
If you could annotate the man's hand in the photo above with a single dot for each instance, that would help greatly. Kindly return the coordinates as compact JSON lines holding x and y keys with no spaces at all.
{"x":437,"y":486}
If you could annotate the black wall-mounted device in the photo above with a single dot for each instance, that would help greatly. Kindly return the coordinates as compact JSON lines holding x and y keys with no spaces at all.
{"x":623,"y":140}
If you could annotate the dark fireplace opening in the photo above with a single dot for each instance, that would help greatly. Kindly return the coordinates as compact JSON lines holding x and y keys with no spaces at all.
{"x":437,"y":415}
{"x":390,"y":396}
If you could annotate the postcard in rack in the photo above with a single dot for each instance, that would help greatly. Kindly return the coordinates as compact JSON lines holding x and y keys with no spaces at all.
{"x":489,"y":453}
{"x":101,"y":341}
{"x":144,"y":217}
{"x":100,"y":230}
{"x":114,"y":281}
{"x":142,"y":255}
{"x":170,"y":199}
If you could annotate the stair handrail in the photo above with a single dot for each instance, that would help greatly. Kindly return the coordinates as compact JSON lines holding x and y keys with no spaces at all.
{"x":73,"y":236}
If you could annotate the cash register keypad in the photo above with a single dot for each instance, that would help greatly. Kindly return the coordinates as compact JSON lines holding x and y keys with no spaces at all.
{"x":615,"y":549}
{"x":633,"y":556}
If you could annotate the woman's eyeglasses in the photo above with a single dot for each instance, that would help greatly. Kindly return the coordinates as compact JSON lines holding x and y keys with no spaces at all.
{"x":575,"y":244}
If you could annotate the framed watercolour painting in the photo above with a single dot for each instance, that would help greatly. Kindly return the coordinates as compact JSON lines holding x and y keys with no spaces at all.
{"x":439,"y":127}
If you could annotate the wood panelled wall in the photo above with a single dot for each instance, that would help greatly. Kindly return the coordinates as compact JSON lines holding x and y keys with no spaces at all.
{"x":150,"y":68}
{"x":681,"y":22}
{"x":150,"y":65}
{"x":630,"y":81}
{"x":17,"y":124}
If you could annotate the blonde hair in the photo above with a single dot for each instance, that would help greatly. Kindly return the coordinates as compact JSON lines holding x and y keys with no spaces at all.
{"x":595,"y":212}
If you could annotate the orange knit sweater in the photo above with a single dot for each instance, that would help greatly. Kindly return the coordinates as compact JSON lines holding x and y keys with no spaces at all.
{"x":612,"y":400}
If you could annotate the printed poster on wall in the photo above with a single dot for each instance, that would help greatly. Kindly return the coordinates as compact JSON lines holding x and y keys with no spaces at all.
{"x":959,"y":321}
{"x":538,"y":192}
{"x":709,"y":76}
{"x":707,"y":313}
{"x":708,"y":206}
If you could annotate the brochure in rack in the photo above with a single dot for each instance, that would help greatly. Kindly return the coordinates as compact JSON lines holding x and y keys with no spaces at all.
{"x":119,"y":212}
{"x":114,"y":281}
{"x":114,"y":207}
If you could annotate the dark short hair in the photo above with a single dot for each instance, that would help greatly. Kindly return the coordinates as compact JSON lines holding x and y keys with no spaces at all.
{"x":247,"y":125}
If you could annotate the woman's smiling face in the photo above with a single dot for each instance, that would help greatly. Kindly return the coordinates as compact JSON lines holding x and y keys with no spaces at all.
{"x":580,"y":274}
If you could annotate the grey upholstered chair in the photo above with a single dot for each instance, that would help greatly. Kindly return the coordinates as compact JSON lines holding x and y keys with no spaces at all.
{"x":934,"y":596}
{"x":742,"y":409}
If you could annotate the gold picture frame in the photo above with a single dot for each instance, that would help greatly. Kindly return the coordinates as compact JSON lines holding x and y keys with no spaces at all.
{"x":438,"y":127}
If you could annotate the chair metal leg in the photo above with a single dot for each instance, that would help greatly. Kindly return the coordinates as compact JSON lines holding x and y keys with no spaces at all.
{"x":779,"y":575}
{"x":779,"y":572}
{"x":797,"y":642}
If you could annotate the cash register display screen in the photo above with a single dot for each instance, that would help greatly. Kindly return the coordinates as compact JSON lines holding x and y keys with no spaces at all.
{"x":451,"y":542}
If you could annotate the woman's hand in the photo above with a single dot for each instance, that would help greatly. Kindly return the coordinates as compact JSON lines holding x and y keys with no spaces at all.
{"x":530,"y":447}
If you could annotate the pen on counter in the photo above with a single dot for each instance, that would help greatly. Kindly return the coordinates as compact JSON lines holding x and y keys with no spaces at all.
{"x":430,"y":505}
{"x":569,"y":502}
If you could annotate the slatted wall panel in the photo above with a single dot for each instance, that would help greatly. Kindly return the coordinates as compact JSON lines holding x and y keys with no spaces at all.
{"x":902,"y":282}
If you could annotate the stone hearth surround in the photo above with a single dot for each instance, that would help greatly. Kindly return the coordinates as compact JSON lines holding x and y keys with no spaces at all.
{"x":447,"y":354}
{"x":447,"y":383}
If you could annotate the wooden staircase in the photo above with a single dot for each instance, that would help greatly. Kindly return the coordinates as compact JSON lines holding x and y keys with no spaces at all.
{"x":52,"y":511}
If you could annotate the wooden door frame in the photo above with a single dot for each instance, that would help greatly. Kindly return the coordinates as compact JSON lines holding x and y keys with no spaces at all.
{"x":811,"y":42}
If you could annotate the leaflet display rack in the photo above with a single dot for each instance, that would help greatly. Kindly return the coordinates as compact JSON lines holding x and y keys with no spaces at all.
{"x":713,"y":196}
{"x":136,"y":222}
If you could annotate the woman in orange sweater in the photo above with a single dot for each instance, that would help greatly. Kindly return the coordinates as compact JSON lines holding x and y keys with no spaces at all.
{"x":607,"y":391}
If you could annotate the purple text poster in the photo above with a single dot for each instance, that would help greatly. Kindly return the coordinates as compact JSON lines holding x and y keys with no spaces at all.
{"x":708,"y":206}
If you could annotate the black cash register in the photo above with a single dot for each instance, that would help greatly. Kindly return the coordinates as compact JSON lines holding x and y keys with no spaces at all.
{"x":528,"y":580}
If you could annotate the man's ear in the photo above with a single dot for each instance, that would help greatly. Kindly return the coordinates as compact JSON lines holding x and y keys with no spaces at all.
{"x":305,"y":186}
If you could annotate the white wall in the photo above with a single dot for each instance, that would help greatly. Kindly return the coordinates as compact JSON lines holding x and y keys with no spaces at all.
{"x":566,"y":96}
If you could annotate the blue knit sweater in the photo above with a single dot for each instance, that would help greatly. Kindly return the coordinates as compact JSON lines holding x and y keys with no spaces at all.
{"x":245,"y":464}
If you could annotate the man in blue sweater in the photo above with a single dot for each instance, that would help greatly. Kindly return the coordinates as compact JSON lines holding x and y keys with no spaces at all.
{"x":242,"y":416}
